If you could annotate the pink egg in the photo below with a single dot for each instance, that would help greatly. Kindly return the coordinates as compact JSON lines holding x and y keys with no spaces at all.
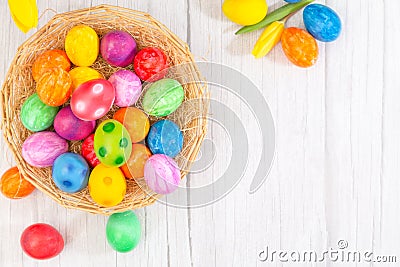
{"x":69,"y":127}
{"x":92,"y":99}
{"x":118,"y":48}
{"x":128,"y":87}
{"x":162,"y":174}
{"x":41,"y":149}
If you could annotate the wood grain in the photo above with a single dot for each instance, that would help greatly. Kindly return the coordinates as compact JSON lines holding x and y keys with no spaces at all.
{"x":335,"y":174}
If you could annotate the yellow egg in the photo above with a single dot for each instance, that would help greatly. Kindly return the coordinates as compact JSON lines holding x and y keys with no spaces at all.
{"x":82,"y":45}
{"x":107,"y":186}
{"x":80,"y":75}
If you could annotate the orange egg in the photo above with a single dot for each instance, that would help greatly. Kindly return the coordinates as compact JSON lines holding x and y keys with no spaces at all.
{"x":54,"y":87}
{"x":135,"y":121}
{"x":14,"y":186}
{"x":48,"y":60}
{"x":134,"y":167}
{"x":299,"y":47}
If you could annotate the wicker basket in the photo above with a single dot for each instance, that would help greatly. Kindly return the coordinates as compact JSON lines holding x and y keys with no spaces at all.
{"x":147,"y":31}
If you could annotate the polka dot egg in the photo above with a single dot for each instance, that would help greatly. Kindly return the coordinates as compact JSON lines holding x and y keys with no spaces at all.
{"x":112,"y":143}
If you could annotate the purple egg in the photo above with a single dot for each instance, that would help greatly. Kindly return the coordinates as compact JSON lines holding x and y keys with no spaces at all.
{"x":162,"y":174}
{"x":118,"y":48}
{"x":128,"y":87}
{"x":70,"y":127}
{"x":41,"y":149}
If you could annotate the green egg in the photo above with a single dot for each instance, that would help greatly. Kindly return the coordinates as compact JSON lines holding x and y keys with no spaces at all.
{"x":112,"y":143}
{"x":36,"y":116}
{"x":123,"y":231}
{"x":163,"y":97}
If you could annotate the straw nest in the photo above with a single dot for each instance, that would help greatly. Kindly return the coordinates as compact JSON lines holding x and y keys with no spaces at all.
{"x":19,"y":85}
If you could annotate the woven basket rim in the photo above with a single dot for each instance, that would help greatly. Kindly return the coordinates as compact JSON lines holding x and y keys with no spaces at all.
{"x":6,"y":124}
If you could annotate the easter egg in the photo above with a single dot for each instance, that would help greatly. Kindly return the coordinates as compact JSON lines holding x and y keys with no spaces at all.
{"x":165,"y":137}
{"x":163,"y":97}
{"x":54,"y":87}
{"x":112,"y":143}
{"x":92,"y":99}
{"x":80,"y":75}
{"x":151,"y":64}
{"x":107,"y":186}
{"x":82,"y":45}
{"x":128,"y":87}
{"x":70,"y":172}
{"x":48,"y":60}
{"x":162,"y":174}
{"x":134,"y":167}
{"x":87,"y":151}
{"x":292,"y":1}
{"x":123,"y":231}
{"x":41,"y":149}
{"x":322,"y":22}
{"x":69,"y":127}
{"x":118,"y":48}
{"x":13,"y":185}
{"x":41,"y":241}
{"x":135,"y":121}
{"x":37,"y":116}
{"x":299,"y":47}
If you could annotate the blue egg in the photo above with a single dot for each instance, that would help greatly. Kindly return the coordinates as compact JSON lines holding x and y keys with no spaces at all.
{"x":165,"y":137}
{"x":322,"y":22}
{"x":70,"y":172}
{"x":292,"y":1}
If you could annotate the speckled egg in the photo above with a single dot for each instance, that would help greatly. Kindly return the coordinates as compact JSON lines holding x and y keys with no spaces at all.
{"x":322,"y":22}
{"x":82,"y":45}
{"x":37,"y":116}
{"x":70,"y":172}
{"x":128,"y":87}
{"x":162,"y":174}
{"x":70,"y":127}
{"x":112,"y":143}
{"x":41,"y":149}
{"x":163,"y":97}
{"x":165,"y":137}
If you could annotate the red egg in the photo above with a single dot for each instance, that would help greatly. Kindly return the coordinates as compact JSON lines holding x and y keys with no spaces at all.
{"x":88,"y":153}
{"x":93,"y":99}
{"x":151,"y":64}
{"x":42,"y":241}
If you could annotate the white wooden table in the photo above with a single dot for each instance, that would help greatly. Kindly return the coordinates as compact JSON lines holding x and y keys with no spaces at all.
{"x":336,"y":171}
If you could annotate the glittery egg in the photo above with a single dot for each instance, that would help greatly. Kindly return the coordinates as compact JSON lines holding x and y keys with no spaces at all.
{"x":128,"y":87}
{"x":41,"y":149}
{"x":162,"y":174}
{"x":69,"y":127}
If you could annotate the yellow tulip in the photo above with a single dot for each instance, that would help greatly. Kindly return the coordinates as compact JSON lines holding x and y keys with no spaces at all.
{"x":268,"y":39}
{"x":24,"y":13}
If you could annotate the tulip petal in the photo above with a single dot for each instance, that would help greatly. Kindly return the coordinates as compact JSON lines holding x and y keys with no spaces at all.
{"x":268,"y":39}
{"x":24,"y":13}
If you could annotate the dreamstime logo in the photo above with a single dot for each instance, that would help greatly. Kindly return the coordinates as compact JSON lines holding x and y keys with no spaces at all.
{"x":230,"y":91}
{"x":339,"y":254}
